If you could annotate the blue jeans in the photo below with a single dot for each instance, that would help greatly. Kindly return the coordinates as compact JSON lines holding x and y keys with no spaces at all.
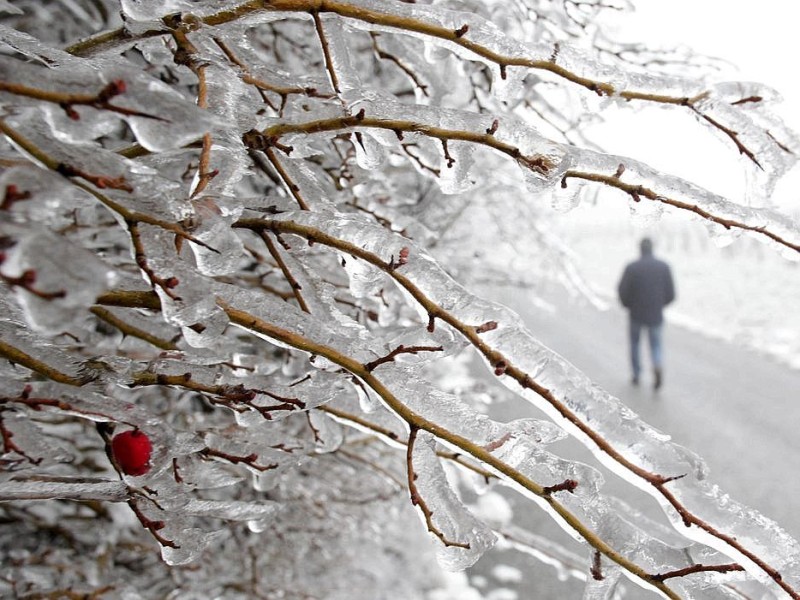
{"x":654,"y":336}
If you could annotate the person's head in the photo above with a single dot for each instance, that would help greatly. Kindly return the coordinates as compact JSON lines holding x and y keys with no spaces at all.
{"x":646,"y":246}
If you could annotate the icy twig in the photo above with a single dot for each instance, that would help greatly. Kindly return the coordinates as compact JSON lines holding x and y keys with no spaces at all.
{"x":384,"y":55}
{"x":131,"y":330}
{"x":100,"y":100}
{"x":166,"y":284}
{"x":402,"y":22}
{"x":401,"y":349}
{"x":26,"y":281}
{"x":638,"y":191}
{"x":506,"y":367}
{"x":537,"y":163}
{"x":185,"y":53}
{"x":699,"y":569}
{"x":294,"y":285}
{"x":153,"y":526}
{"x":416,"y":498}
{"x":255,"y":141}
{"x":10,"y":447}
{"x":326,"y":51}
{"x":236,"y":397}
{"x":15,"y":355}
{"x":251,"y":460}
{"x":100,"y":181}
{"x":45,"y":487}
{"x":392,"y":439}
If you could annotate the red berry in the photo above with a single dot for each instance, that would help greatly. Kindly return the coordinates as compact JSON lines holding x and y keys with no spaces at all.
{"x":131,"y":450}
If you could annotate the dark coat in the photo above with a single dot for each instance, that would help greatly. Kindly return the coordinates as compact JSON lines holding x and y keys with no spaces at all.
{"x":646,"y":288}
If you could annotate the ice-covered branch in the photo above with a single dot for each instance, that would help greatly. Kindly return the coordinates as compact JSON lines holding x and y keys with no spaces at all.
{"x":415,"y":421}
{"x":637,"y":191}
{"x":67,"y":101}
{"x":504,"y":365}
{"x":473,"y":38}
{"x":233,"y":243}
{"x":698,"y":201}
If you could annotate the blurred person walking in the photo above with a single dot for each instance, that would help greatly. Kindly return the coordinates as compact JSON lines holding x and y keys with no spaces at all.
{"x":645,"y":289}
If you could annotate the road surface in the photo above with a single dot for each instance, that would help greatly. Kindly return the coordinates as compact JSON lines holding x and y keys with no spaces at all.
{"x":736,"y":408}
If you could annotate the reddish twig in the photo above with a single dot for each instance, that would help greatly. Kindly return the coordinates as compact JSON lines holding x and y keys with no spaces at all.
{"x":151,"y":525}
{"x":372,"y":365}
{"x":250,"y":460}
{"x":698,"y":569}
{"x":99,"y":101}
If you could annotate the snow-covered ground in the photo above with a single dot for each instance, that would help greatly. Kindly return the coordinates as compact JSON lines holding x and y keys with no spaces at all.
{"x":740,"y":290}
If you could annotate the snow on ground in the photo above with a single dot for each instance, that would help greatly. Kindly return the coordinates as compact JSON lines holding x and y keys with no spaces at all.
{"x":740,"y":290}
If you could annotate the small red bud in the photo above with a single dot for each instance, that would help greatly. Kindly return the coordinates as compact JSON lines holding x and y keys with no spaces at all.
{"x":131,"y":451}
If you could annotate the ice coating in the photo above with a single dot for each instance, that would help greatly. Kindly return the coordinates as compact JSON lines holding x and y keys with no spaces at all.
{"x":633,"y":439}
{"x":452,"y":520}
{"x":244,"y":423}
{"x":70,"y":276}
{"x":671,"y":189}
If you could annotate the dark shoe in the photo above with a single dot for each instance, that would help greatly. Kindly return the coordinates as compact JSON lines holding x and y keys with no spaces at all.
{"x":659,"y":380}
{"x":635,"y":380}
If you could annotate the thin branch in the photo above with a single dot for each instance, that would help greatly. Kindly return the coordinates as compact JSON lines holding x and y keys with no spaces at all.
{"x":637,"y":191}
{"x":384,"y":55}
{"x":416,"y":498}
{"x":326,"y":51}
{"x":131,"y":330}
{"x":236,"y":397}
{"x":100,"y":100}
{"x":166,"y":284}
{"x":699,"y":569}
{"x":538,"y":163}
{"x":19,"y":357}
{"x":251,"y":460}
{"x":494,"y":357}
{"x":293,"y":283}
{"x":153,"y":526}
{"x":401,"y":349}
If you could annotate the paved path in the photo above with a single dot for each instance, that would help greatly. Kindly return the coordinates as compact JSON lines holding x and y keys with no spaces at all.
{"x":737,"y":409}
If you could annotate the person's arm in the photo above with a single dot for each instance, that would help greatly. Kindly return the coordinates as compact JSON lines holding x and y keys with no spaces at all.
{"x":669,"y":291}
{"x":624,"y":287}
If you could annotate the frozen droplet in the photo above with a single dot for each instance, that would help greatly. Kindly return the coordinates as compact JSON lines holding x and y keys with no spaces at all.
{"x":189,"y":545}
{"x":223,"y":251}
{"x":369,"y":153}
{"x":206,"y":332}
{"x":564,"y":198}
{"x":328,"y":434}
{"x":645,"y":213}
{"x":721,"y":236}
{"x":455,"y":168}
{"x":258,"y":525}
{"x":507,"y":83}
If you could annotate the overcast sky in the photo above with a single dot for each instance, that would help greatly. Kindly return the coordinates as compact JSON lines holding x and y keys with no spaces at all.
{"x":762,"y":39}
